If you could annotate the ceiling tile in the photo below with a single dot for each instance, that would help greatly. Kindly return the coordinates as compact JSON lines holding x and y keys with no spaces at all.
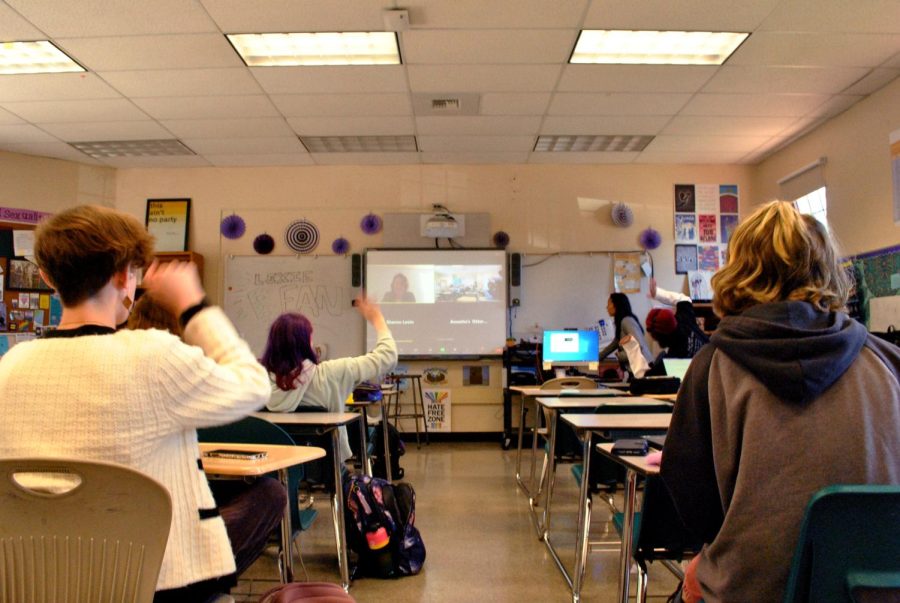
{"x":635,"y":78}
{"x":483,"y":78}
{"x":14,"y":28}
{"x":112,"y":130}
{"x":816,"y":49}
{"x":483,"y":46}
{"x":871,"y":16}
{"x":349,"y":105}
{"x":478,"y":126}
{"x":617,"y":104}
{"x":54,"y":150}
{"x":724,"y":126}
{"x":474,"y":158}
{"x":835,"y":105}
{"x":104,"y":18}
{"x":477,"y":14}
{"x":606,"y":125}
{"x":874,"y":81}
{"x":275,"y":16}
{"x":534,"y":103}
{"x":113,"y":109}
{"x":207,"y":107}
{"x":752,"y":79}
{"x":734,"y":144}
{"x":135,"y":53}
{"x":759,"y":105}
{"x":352,"y":126}
{"x":331,"y":80}
{"x":24,"y":133}
{"x":260,"y":160}
{"x":687,"y":15}
{"x":7,"y":118}
{"x":690,"y":157}
{"x":180,"y":161}
{"x":476,"y":143}
{"x":365,"y":158}
{"x":54,"y":86}
{"x":255,"y":127}
{"x":282,"y":145}
{"x":183,"y":82}
{"x":893,"y":62}
{"x":576,"y":157}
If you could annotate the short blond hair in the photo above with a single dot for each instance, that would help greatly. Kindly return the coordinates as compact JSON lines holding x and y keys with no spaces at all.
{"x":779,"y":254}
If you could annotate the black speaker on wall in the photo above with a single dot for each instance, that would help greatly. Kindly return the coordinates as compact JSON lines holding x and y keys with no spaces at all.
{"x":515,"y":280}
{"x":356,"y":270}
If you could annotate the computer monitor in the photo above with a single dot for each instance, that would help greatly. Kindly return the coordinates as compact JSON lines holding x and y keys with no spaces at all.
{"x":571,"y":348}
{"x":676,"y":367}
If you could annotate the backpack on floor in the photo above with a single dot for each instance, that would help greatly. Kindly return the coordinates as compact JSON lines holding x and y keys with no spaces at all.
{"x":396,"y":447}
{"x":380,"y":522}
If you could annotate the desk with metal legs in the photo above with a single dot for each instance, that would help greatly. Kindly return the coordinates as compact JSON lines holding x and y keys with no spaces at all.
{"x":588,"y":425}
{"x":278,"y":458}
{"x":363,"y":408}
{"x":328,"y":422}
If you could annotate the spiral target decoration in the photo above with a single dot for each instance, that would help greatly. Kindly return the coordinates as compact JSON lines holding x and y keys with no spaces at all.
{"x":302,"y":236}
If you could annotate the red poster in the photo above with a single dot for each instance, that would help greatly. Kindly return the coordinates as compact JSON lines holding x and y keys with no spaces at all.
{"x":707,"y":227}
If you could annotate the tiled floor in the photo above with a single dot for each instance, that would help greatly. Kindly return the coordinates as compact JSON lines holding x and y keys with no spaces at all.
{"x":481,"y":545}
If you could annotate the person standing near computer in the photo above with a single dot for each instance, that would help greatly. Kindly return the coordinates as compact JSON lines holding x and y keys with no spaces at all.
{"x":627,"y":327}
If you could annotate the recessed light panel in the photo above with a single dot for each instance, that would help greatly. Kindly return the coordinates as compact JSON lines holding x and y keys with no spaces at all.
{"x":324,"y":48}
{"x":360,"y":144}
{"x":34,"y":57}
{"x":102,"y":149}
{"x":619,"y":143}
{"x":655,"y":47}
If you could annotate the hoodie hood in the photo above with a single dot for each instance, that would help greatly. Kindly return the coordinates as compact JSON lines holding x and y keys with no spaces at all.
{"x":796,"y":351}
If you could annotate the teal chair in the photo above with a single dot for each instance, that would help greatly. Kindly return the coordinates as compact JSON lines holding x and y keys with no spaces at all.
{"x":252,"y":430}
{"x":849,"y":547}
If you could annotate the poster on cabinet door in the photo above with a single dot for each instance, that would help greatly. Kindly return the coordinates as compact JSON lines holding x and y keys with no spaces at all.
{"x":437,"y":409}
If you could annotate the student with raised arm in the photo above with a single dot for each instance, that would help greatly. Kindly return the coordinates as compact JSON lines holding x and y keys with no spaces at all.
{"x":299,"y":378}
{"x":88,"y":391}
{"x":791,"y":395}
{"x":686,"y":339}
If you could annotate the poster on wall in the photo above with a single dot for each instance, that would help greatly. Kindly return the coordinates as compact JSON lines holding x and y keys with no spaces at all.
{"x":684,"y":198}
{"x":167,"y":220}
{"x":707,"y":227}
{"x":437,"y":409}
{"x":685,"y":228}
{"x":627,"y":272}
{"x":708,"y":257}
{"x":895,"y":172}
{"x":699,"y":285}
{"x":707,"y":198}
{"x":727,"y":224}
{"x":685,"y":258}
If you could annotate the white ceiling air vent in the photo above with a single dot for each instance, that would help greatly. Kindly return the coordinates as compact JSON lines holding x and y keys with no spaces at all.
{"x":446,"y":104}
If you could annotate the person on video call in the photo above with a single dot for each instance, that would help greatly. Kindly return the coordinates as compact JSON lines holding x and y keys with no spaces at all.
{"x":399,"y":290}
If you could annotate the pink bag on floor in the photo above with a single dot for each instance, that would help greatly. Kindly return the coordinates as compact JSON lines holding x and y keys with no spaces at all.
{"x":309,"y":592}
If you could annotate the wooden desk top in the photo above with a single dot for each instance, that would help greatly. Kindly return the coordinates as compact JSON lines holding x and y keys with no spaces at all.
{"x":322,"y":419}
{"x":666,"y":397}
{"x":277,"y":457}
{"x":599,"y":422}
{"x":564,"y":402}
{"x":535,"y":391}
{"x":638,"y":463}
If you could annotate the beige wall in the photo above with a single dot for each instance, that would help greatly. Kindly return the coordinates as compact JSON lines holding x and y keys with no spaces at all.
{"x":857,"y":174}
{"x":50,"y":185}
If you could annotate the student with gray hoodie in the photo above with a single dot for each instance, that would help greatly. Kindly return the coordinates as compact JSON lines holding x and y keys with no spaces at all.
{"x":792,"y":395}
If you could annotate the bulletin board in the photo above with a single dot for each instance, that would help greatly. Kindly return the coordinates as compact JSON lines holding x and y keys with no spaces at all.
{"x":568,"y":291}
{"x":257,"y":289}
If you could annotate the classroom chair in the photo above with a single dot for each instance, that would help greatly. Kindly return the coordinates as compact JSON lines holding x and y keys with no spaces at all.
{"x":99,"y":535}
{"x":849,"y":546}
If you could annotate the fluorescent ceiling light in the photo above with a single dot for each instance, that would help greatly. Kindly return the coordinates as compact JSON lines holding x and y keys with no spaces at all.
{"x":360,"y":144}
{"x":34,"y":57}
{"x":102,"y":149}
{"x":655,"y":47}
{"x":581,"y":143}
{"x":326,"y":48}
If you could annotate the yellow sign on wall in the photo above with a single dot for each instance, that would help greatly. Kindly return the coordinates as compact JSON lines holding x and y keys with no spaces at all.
{"x":167,"y":220}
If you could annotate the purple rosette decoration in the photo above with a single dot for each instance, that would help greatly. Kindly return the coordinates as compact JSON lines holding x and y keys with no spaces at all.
{"x":371,"y":224}
{"x":264,"y":244}
{"x":340,"y":246}
{"x":649,"y":239}
{"x":233,"y":227}
{"x":501,"y":239}
{"x":622,"y":215}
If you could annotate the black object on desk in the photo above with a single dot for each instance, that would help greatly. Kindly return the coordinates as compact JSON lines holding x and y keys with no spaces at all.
{"x":631,"y":447}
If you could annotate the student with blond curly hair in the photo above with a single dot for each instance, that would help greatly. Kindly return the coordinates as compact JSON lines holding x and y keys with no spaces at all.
{"x":790,"y":396}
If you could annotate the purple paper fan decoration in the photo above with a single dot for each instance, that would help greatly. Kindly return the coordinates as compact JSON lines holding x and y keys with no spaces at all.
{"x":501,"y":239}
{"x":649,"y":239}
{"x":233,"y":227}
{"x":264,"y":244}
{"x":340,"y":246}
{"x":371,"y":224}
{"x":622,"y":215}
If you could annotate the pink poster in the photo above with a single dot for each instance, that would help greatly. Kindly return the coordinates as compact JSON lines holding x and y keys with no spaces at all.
{"x":708,"y":228}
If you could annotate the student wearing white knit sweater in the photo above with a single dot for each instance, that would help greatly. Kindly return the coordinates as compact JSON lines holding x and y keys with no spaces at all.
{"x":132,"y":397}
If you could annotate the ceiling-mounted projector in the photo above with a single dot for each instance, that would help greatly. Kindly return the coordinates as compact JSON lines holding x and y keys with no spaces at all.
{"x":442,"y":225}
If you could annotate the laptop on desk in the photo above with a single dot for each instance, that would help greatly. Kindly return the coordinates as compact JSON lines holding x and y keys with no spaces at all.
{"x":676,"y":367}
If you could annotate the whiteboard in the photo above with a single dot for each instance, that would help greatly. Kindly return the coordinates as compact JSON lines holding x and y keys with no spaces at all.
{"x":569,"y":291}
{"x":258,"y":289}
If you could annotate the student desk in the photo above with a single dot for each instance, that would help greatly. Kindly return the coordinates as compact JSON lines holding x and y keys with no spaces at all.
{"x":363,"y":408}
{"x":532,"y":393}
{"x":588,"y":425}
{"x":328,"y":422}
{"x":278,"y":458}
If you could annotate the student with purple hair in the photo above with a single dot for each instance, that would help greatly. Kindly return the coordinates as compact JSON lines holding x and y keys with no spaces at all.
{"x":299,"y":378}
